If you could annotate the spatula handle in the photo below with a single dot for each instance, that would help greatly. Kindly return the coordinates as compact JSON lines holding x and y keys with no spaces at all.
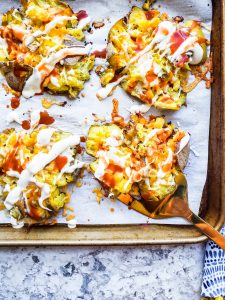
{"x":207,"y":229}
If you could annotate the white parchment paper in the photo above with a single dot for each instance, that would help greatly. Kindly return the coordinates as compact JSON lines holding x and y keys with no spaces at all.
{"x":76,"y":116}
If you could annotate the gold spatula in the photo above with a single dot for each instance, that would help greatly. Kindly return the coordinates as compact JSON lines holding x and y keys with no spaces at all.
{"x":175,"y":205}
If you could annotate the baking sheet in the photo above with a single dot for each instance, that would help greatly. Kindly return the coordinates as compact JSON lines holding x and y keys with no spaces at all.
{"x":76,"y":116}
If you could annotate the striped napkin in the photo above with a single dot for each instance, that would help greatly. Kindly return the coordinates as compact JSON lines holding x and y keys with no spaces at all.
{"x":213,"y":285}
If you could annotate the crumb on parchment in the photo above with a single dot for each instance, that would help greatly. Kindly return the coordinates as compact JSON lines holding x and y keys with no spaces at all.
{"x":98,"y":118}
{"x":47,"y":103}
{"x":78,"y":183}
{"x":70,"y":217}
{"x":99,"y":194}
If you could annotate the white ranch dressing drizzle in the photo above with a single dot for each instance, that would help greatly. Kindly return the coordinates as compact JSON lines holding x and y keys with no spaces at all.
{"x":115,"y":139}
{"x":44,"y":136}
{"x":13,"y":117}
{"x":157,"y":69}
{"x":143,"y":108}
{"x":38,"y":163}
{"x":34,"y":118}
{"x":131,"y":175}
{"x":45,"y":193}
{"x":152,"y":133}
{"x":162,"y":38}
{"x":104,"y":92}
{"x":159,"y":38}
{"x":187,"y":44}
{"x":144,"y":64}
{"x":83,"y":23}
{"x":33,"y":84}
{"x":31,"y":37}
{"x":54,"y":80}
{"x":183,"y":142}
{"x":48,"y":27}
{"x":161,"y":41}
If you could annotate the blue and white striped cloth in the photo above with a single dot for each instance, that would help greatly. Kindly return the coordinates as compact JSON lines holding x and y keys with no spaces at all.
{"x":213,"y":284}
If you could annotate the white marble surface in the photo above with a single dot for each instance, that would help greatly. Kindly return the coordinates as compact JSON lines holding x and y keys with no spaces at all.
{"x":100,"y":273}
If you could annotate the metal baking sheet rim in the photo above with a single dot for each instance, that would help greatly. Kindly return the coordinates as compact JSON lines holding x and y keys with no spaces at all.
{"x":12,"y":237}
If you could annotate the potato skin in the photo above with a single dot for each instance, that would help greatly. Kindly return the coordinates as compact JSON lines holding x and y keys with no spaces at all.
{"x":182,"y":157}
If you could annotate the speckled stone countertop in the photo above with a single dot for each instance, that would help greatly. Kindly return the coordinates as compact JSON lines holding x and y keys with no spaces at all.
{"x":99,"y":273}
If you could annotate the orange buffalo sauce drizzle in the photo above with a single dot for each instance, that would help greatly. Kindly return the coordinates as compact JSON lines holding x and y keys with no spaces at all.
{"x":108,"y":177}
{"x":11,"y":35}
{"x":109,"y":180}
{"x":15,"y":102}
{"x":167,"y":167}
{"x":139,"y":44}
{"x":45,"y":118}
{"x":26,"y":124}
{"x":151,"y":76}
{"x":167,"y":99}
{"x":100,"y":53}
{"x":11,"y":162}
{"x":60,"y":162}
{"x":116,"y":118}
{"x":34,"y":212}
{"x":150,"y":14}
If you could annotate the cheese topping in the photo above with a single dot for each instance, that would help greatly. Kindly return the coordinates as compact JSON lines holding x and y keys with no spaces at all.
{"x":58,"y":20}
{"x":179,"y":45}
{"x":46,"y":66}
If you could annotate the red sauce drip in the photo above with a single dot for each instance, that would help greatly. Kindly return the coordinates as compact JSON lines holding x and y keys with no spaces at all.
{"x":26,"y":124}
{"x":15,"y":102}
{"x":11,"y":163}
{"x":150,"y":14}
{"x":177,"y":39}
{"x":139,"y":44}
{"x":108,"y":177}
{"x":60,"y":162}
{"x":100,"y":53}
{"x":114,"y":168}
{"x":139,"y":48}
{"x":45,"y":118}
{"x":83,"y":139}
{"x":55,"y":72}
{"x":34,"y":211}
{"x":182,"y":61}
{"x":151,"y":76}
{"x":116,"y":77}
{"x":109,"y":180}
{"x":82,"y":14}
